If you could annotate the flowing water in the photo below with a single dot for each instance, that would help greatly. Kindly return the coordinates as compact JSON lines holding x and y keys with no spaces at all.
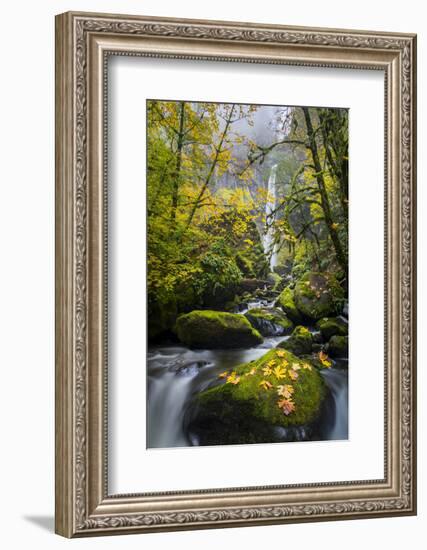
{"x":270,"y":205}
{"x":176,"y":373}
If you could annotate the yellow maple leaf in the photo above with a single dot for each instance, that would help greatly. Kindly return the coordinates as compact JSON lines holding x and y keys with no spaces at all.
{"x":233,"y":378}
{"x":266,"y":384}
{"x":307,"y":366}
{"x":323,"y":358}
{"x":295,"y":366}
{"x":267,"y":370}
{"x":281,"y":353}
{"x":279,"y":372}
{"x":285,"y":391}
{"x":287,"y":406}
{"x":251,"y":372}
{"x":334,"y":226}
{"x":223,"y":374}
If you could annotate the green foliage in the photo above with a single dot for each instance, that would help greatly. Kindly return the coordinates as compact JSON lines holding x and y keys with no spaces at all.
{"x":207,"y":196}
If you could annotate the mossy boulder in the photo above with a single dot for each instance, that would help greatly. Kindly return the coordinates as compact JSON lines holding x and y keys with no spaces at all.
{"x":300,"y":342}
{"x":318,"y":295}
{"x":209,"y":329}
{"x":331,"y":326}
{"x":269,"y":321}
{"x":338,"y":346}
{"x":246,"y":408}
{"x":287,"y":303}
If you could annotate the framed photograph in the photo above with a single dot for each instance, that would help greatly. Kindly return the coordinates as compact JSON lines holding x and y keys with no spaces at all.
{"x":235,"y":274}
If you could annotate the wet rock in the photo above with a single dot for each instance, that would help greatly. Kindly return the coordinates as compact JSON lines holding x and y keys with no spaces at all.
{"x":188,"y":369}
{"x":331,"y":326}
{"x":248,"y":412}
{"x":338,"y":346}
{"x":287,"y":303}
{"x":208,"y":329}
{"x":269,"y":321}
{"x":300,"y":341}
{"x":318,"y":295}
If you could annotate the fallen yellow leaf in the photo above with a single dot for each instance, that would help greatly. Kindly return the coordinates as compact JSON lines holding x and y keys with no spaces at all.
{"x":233,"y":378}
{"x":266,"y":384}
{"x":267,"y":370}
{"x":285,"y":391}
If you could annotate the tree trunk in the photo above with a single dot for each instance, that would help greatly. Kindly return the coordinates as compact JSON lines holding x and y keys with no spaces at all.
{"x":177,"y":172}
{"x":339,"y":252}
{"x":339,"y":168}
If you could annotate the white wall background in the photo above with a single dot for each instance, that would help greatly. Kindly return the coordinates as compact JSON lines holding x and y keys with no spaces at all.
{"x":27,"y":273}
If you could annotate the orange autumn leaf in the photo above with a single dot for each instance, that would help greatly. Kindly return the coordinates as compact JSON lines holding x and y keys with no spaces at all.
{"x":287,"y":406}
{"x":223,"y":374}
{"x":293,"y":375}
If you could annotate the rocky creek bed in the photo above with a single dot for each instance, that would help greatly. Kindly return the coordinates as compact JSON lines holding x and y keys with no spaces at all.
{"x":274,"y":370}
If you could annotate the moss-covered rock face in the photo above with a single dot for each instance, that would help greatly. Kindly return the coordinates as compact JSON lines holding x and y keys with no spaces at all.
{"x":257,"y":398}
{"x":269,"y":321}
{"x":331,"y":326}
{"x":300,"y":341}
{"x":286,"y":302}
{"x":318,"y":295}
{"x":275,"y":280}
{"x":214,"y":329}
{"x":338,"y":346}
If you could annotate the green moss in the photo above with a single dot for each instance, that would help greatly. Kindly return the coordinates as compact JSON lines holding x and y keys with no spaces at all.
{"x":216,"y":329}
{"x":287,"y":303}
{"x":247,"y":402}
{"x":331,"y":326}
{"x":269,"y":322}
{"x":338,"y":346}
{"x":300,"y":341}
{"x":275,"y":279}
{"x":318,"y":295}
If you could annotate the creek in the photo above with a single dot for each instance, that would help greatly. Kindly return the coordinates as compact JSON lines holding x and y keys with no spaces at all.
{"x":176,"y":373}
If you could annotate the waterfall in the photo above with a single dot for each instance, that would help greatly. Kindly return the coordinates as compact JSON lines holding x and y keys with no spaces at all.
{"x":270,"y":205}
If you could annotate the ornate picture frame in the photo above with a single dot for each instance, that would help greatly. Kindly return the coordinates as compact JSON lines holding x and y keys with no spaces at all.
{"x":84,"y":42}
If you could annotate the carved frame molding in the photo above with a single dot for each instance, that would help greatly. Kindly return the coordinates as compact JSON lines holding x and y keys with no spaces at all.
{"x":83,"y":43}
